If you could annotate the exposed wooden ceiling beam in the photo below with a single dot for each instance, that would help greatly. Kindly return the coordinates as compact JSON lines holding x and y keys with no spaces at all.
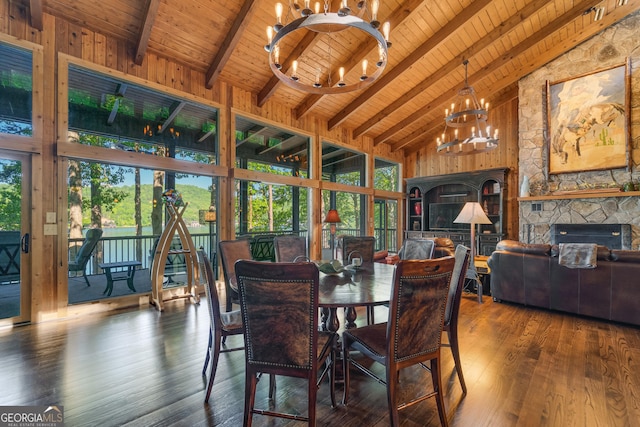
{"x":120,"y":91}
{"x":35,"y":9}
{"x":176,"y":107}
{"x":610,"y":19}
{"x":401,"y":13}
{"x":428,"y":131}
{"x":416,"y":55}
{"x":145,"y":30}
{"x":456,"y":62}
{"x":230,"y":41}
{"x":540,"y":35}
{"x":257,"y":130}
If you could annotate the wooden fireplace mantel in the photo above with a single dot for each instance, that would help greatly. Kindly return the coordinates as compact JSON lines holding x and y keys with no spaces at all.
{"x":580,"y":194}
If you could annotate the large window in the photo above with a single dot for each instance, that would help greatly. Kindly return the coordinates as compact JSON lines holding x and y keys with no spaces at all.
{"x":343,"y":165}
{"x":266,"y":148}
{"x":386,"y":175}
{"x":267,"y":208}
{"x":15,"y":91}
{"x":107,"y":112}
{"x":127,"y":205}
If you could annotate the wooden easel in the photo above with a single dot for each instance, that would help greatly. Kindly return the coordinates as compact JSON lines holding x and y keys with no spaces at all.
{"x":175,"y":225}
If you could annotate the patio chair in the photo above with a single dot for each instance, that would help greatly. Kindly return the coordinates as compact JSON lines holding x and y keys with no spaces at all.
{"x":412,"y":335}
{"x":279,"y":305}
{"x":222,"y":324}
{"x":85,"y":252}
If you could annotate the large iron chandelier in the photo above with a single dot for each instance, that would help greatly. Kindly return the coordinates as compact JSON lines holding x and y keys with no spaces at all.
{"x":466,"y":130}
{"x":317,"y":74}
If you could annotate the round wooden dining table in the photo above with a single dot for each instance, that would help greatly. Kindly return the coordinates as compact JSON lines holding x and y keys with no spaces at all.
{"x":368,"y":286}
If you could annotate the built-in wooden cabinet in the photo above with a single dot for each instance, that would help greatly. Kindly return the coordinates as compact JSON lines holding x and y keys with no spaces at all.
{"x":434,"y":202}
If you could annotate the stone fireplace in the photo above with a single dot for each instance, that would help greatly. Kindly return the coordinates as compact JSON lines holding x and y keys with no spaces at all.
{"x":572,"y":198}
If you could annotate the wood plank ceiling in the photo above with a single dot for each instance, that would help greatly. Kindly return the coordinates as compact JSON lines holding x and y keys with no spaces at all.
{"x":504,"y":40}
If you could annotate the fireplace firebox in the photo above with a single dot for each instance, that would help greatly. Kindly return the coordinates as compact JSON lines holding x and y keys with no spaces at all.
{"x":614,"y":236}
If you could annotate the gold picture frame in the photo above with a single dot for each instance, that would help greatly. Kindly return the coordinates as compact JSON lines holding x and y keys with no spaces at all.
{"x":588,"y":121}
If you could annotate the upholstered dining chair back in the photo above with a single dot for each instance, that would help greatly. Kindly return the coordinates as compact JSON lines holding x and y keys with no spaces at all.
{"x":458,"y":278}
{"x":417,"y":249}
{"x":222,"y":324}
{"x":231,"y":251}
{"x":279,"y":305}
{"x":364,"y":245}
{"x":412,"y":334}
{"x":289,"y":247}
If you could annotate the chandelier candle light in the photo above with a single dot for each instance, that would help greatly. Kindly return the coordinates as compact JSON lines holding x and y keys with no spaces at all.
{"x":315,"y":74}
{"x":466,"y":130}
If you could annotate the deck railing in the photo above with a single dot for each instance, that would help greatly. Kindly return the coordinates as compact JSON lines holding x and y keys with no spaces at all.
{"x":125,"y":248}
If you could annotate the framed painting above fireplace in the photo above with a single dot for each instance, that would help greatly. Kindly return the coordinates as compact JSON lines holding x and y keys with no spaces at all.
{"x":588,"y":121}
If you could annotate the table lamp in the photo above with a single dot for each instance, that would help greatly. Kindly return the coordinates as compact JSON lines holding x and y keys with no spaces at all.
{"x":472,"y":213}
{"x":332,"y":218}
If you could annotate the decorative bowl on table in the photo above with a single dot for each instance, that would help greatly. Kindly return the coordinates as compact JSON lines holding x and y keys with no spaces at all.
{"x":331,"y":268}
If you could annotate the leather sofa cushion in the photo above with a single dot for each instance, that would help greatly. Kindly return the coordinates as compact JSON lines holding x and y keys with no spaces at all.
{"x":523,"y":248}
{"x":621,"y":255}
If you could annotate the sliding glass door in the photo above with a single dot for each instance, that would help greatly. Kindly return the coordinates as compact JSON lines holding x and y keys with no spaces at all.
{"x":14,"y":238}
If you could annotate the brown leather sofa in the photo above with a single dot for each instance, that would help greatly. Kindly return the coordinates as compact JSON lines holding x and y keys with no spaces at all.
{"x":530,"y":274}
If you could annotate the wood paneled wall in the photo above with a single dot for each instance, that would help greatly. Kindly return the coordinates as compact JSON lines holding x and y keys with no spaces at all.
{"x":427,"y":162}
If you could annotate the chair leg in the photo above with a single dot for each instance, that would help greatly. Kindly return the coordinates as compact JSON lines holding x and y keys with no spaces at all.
{"x":249,"y":396}
{"x":214,"y":363}
{"x":452,"y":332}
{"x":370,"y":315}
{"x":345,"y":369}
{"x":206,"y":360}
{"x":332,"y":378}
{"x":436,"y":379}
{"x":272,"y":386}
{"x":312,"y":388}
{"x":392,"y":401}
{"x":86,"y":279}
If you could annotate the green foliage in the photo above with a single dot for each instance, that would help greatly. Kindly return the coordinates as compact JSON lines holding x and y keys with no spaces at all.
{"x":386,"y":178}
{"x":10,"y":194}
{"x":123,"y":211}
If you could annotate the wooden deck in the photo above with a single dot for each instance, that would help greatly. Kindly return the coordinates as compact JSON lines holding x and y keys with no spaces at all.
{"x":523,"y":367}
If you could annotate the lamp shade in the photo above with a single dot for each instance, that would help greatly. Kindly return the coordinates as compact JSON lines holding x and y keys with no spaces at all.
{"x":332,"y":216}
{"x":472,"y":213}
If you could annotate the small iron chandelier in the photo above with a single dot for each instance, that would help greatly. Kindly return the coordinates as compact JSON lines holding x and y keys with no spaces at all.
{"x":466,"y":130}
{"x":315,"y":76}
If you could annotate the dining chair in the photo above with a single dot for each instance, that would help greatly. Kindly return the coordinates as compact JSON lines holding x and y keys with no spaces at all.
{"x":349,"y":244}
{"x":85,"y":252}
{"x":458,"y":278}
{"x":412,"y":334}
{"x":289,"y":247}
{"x":222,"y":324}
{"x":279,"y":305}
{"x":417,"y":249}
{"x":231,"y":251}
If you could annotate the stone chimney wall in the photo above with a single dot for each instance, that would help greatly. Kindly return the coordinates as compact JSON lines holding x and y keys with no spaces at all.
{"x":609,"y":48}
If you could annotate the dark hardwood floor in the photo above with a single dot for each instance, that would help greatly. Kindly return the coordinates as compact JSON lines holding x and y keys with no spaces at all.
{"x":523,"y":367}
